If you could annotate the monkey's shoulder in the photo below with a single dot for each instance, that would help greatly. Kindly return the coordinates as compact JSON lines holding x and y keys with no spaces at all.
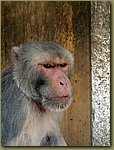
{"x":7,"y":76}
{"x":9,"y":89}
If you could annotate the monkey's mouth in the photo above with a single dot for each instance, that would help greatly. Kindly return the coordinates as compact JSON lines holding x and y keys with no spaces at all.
{"x":60,"y":99}
{"x":57,"y":103}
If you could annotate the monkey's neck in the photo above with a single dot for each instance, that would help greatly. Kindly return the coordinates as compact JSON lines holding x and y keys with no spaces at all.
{"x":39,"y":106}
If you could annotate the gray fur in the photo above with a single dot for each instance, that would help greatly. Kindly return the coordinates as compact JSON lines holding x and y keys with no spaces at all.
{"x":13,"y":115}
{"x":23,"y":122}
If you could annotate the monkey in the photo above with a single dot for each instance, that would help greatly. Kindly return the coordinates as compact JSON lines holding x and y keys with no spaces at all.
{"x":36,"y":89}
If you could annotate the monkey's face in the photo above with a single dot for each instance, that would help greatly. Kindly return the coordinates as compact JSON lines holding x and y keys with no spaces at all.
{"x":53,"y":85}
{"x":41,"y":71}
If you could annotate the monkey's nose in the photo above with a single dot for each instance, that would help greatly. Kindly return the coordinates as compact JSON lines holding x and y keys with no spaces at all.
{"x":62,"y":83}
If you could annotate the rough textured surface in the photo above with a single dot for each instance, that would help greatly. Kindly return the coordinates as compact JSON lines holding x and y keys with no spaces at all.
{"x":100,"y":44}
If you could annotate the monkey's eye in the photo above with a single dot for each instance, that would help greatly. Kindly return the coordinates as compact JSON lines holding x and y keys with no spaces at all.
{"x":63,"y":65}
{"x":48,"y":66}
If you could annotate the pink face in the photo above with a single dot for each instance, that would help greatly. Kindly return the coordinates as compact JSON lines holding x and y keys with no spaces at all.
{"x":59,"y":84}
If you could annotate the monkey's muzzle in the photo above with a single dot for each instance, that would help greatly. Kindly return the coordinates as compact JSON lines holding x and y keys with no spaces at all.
{"x":61,"y":99}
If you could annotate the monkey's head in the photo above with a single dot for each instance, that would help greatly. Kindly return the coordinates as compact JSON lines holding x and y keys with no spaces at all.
{"x":42,"y":72}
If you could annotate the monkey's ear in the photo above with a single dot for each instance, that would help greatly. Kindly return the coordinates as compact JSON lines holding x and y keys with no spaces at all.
{"x":15,"y":53}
